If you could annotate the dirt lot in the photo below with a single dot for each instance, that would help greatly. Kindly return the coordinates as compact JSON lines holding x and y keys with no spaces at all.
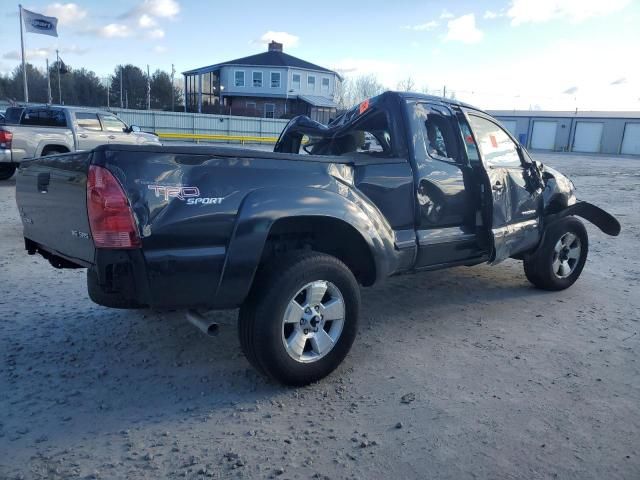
{"x":464,"y":373}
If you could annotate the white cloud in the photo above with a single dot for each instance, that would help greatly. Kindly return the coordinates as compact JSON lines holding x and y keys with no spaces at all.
{"x":490,"y":15}
{"x":571,"y":91}
{"x":42,"y":53}
{"x":533,"y":11}
{"x":146,"y":21}
{"x":160,"y":49}
{"x":30,"y":53}
{"x":422,"y":26}
{"x":463,"y":29}
{"x":155,"y":34}
{"x":446,"y":14}
{"x":287,"y":39}
{"x":66,"y":13}
{"x":161,"y":8}
{"x":114,"y":30}
{"x":619,"y":81}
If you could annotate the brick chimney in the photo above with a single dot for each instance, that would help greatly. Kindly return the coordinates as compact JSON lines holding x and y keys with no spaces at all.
{"x":275,"y":46}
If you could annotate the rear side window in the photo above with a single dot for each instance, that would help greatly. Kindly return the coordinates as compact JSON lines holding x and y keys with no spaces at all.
{"x":435,"y":131}
{"x":12,"y":115}
{"x":88,"y":121}
{"x":45,"y":117}
{"x":494,"y":143}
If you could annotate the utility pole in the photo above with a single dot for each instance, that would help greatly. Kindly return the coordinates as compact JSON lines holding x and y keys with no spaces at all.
{"x":444,"y":91}
{"x":49,"y":99}
{"x":148,"y":88}
{"x":121,"y":97}
{"x":126,"y":95}
{"x":173,"y":100}
{"x":24,"y":66}
{"x":59,"y":89}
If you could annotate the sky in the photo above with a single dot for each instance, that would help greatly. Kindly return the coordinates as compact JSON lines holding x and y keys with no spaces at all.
{"x":496,"y":54}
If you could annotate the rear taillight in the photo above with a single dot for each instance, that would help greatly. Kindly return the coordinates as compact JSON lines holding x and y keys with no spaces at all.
{"x":110,"y":216}
{"x":5,"y":139}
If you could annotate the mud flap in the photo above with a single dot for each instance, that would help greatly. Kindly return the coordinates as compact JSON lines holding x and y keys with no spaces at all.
{"x":601,"y":219}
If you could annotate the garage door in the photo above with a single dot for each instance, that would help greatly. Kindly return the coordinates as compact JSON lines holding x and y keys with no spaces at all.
{"x":510,"y":125}
{"x":543,"y":136}
{"x":588,"y":137}
{"x":631,"y":139}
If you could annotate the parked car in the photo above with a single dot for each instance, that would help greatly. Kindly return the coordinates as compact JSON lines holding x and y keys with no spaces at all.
{"x":45,"y":130}
{"x":288,"y":236}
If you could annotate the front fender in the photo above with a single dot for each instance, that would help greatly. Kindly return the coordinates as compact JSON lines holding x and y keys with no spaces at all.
{"x":263,"y":207}
{"x":601,"y":219}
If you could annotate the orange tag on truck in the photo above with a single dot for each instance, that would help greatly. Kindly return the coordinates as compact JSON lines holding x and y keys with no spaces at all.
{"x":363,"y":106}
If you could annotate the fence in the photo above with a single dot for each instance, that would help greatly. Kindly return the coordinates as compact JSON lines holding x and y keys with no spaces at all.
{"x":204,"y":127}
{"x":201,"y":127}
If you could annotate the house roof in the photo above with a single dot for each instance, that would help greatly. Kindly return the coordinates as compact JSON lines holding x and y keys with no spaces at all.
{"x":266,"y":59}
{"x":318,"y":101}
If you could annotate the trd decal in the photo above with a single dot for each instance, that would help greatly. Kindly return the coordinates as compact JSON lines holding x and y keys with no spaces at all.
{"x":181,"y":193}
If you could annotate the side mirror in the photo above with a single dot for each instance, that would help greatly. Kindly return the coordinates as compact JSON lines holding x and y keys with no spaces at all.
{"x":134,"y":129}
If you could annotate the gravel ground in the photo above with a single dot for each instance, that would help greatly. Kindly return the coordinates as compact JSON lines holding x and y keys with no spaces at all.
{"x":463,"y":373}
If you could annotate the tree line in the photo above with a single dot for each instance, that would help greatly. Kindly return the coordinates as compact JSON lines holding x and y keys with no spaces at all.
{"x":83,"y":87}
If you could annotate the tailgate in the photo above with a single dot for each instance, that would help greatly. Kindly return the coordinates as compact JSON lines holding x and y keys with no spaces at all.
{"x":51,"y":193}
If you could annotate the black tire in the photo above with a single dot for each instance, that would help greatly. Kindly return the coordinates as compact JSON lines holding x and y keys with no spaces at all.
{"x":260,"y":322}
{"x":539,"y":267}
{"x":7,"y":171}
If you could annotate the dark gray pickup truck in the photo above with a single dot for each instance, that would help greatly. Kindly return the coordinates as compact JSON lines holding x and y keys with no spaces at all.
{"x":401,"y":183}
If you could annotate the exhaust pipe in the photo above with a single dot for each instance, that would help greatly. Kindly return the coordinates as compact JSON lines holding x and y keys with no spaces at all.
{"x":205,"y":326}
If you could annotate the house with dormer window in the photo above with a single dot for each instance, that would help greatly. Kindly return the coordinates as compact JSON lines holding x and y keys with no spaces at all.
{"x":272,"y":84}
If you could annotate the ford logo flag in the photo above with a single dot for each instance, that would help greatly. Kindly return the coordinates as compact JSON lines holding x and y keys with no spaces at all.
{"x":37,"y":23}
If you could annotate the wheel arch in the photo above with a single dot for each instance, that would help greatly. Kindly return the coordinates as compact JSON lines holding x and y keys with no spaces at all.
{"x":268,"y":216}
{"x":46,"y":147}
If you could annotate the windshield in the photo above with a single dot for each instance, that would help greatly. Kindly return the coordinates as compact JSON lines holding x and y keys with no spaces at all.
{"x":13,"y":114}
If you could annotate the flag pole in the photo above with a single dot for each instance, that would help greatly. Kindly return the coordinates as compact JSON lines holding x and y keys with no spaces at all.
{"x":59,"y":89}
{"x":24,"y":67}
{"x":49,"y":99}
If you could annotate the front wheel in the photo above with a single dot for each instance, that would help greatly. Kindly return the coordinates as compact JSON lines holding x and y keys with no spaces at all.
{"x":559,"y":260}
{"x":301,"y":317}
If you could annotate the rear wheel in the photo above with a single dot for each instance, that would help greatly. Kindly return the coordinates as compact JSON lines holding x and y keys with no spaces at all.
{"x":560,"y":258}
{"x":7,"y":171}
{"x":300,"y":319}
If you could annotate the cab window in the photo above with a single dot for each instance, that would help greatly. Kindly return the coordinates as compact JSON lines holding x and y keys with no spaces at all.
{"x":88,"y":121}
{"x":495,"y":145}
{"x":44,"y":117}
{"x":468,"y":141}
{"x":435,"y":133}
{"x":370,"y":136}
{"x":111,"y":123}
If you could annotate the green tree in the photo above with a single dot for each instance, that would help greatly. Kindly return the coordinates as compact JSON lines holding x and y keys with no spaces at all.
{"x":161,"y":89}
{"x":134,"y":87}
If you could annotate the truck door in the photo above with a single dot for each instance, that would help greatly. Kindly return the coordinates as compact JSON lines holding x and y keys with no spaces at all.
{"x":446,"y":229}
{"x":89,"y":133}
{"x":515,"y":200}
{"x":116,"y":129}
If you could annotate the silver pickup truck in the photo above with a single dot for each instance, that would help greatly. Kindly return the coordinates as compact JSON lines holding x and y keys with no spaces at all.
{"x":35,"y":131}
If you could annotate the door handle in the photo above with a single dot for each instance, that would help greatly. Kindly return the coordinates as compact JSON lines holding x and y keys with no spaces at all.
{"x":43,"y":182}
{"x":112,"y":137}
{"x":83,"y":135}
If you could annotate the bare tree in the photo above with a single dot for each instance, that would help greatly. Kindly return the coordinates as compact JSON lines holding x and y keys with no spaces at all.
{"x":342,"y":92}
{"x":406,"y":85}
{"x":365,"y":86}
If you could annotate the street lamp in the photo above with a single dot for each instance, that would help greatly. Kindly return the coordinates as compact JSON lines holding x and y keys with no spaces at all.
{"x":286,"y":99}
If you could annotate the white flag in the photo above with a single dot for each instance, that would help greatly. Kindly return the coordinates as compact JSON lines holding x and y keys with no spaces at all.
{"x":36,"y":23}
